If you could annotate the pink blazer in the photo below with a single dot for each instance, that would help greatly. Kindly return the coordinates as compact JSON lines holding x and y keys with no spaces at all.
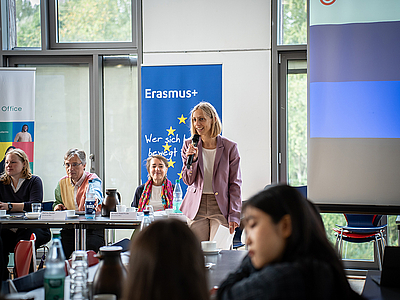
{"x":226,"y":180}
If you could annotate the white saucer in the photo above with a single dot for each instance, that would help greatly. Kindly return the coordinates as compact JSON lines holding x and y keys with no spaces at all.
{"x":4,"y":216}
{"x":212,"y":252}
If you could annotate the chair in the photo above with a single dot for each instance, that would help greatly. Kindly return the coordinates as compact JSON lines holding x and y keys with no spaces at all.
{"x":362,"y":229}
{"x":25,"y":257}
{"x":237,"y":238}
{"x":47,"y":205}
{"x":124,"y":243}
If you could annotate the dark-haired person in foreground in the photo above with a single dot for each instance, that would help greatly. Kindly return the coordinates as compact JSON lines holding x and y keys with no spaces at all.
{"x":166,"y":262}
{"x":289,"y":255}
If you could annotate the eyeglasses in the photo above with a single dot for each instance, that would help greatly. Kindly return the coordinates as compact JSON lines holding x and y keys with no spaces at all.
{"x":74,"y":165}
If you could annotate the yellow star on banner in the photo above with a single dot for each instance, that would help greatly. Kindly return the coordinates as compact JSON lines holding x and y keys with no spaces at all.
{"x":171,"y":131}
{"x":171,"y":163}
{"x":182,"y":119}
{"x":180,"y":175}
{"x":166,"y":147}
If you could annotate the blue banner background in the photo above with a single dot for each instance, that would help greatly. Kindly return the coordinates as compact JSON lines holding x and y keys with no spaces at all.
{"x":168,"y":95}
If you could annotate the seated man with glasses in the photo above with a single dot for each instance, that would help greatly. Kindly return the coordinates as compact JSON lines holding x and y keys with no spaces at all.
{"x":71,"y":193}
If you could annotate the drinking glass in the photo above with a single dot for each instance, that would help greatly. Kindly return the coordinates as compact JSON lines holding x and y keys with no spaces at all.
{"x":36,"y":207}
{"x":79,"y":276}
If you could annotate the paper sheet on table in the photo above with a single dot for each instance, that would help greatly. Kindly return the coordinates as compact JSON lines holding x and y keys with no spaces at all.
{"x":223,"y":238}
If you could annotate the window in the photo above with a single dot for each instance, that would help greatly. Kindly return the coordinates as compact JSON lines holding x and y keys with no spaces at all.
{"x":61,"y":118}
{"x":94,"y":21}
{"x":292,"y":26}
{"x":92,"y":24}
{"x":121,"y":125}
{"x":21,"y":18}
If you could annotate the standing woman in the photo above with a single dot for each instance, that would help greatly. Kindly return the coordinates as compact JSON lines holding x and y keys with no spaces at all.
{"x":18,"y":190}
{"x":213,"y":197}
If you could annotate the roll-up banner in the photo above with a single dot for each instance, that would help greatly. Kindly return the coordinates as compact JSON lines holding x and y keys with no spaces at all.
{"x":17,"y":110}
{"x":168,"y":95}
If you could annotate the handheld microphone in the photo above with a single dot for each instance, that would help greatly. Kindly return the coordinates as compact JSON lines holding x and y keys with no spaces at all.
{"x":195,"y":141}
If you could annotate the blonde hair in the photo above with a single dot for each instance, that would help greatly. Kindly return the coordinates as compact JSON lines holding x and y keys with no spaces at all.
{"x":210,"y":111}
{"x":26,"y":170}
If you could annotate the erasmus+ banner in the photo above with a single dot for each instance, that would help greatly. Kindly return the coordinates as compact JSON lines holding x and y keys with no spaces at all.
{"x":168,"y":95}
{"x":17,"y":110}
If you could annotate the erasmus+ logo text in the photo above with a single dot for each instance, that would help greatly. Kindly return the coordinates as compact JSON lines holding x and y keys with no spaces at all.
{"x":11,"y":108}
{"x":169,"y":94}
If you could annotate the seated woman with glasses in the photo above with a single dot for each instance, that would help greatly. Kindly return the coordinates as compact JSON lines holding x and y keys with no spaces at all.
{"x":289,"y":255}
{"x":71,"y":193}
{"x":18,"y":190}
{"x":158,"y":190}
{"x":166,"y":262}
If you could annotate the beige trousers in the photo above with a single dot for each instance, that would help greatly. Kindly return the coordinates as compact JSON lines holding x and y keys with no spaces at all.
{"x":208,"y":218}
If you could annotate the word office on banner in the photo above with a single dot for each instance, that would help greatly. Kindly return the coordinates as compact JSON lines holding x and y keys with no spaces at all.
{"x":17,"y":110}
{"x":168,"y":95}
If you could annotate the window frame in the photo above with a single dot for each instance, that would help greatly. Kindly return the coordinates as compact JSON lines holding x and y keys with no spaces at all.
{"x":53,"y":32}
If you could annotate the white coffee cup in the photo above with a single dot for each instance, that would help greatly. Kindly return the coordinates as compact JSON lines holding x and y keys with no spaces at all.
{"x":209,"y":245}
{"x":131,"y":209}
{"x":70,"y":212}
{"x":121,"y":208}
{"x":169,"y":211}
{"x":3,"y":212}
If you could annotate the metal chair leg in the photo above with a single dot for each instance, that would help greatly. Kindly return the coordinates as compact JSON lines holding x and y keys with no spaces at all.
{"x":378,"y":253}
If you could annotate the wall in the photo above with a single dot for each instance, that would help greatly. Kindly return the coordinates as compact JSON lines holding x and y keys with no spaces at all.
{"x":236,"y":34}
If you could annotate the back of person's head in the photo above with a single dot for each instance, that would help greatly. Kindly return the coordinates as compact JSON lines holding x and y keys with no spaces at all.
{"x":166,"y":262}
{"x":308,"y":241}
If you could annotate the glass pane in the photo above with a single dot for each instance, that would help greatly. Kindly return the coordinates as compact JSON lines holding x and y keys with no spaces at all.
{"x":392,"y":231}
{"x":292,"y":22}
{"x":121,"y":128}
{"x":22,"y":18}
{"x":62,"y":119}
{"x":297,"y":122}
{"x":94,"y":21}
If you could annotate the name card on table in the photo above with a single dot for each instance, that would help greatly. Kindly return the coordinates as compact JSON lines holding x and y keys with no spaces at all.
{"x":53,"y":215}
{"x":179,"y":216}
{"x":132,"y":215}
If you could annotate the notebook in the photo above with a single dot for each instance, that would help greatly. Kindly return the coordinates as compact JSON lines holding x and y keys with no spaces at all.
{"x":390,"y":275}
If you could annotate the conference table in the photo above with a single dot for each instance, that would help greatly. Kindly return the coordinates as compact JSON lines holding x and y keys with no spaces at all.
{"x":373,"y":291}
{"x":79,"y":223}
{"x":223,"y":263}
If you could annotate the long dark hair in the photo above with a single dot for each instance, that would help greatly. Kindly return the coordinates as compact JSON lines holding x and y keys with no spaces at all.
{"x":308,"y":241}
{"x":166,"y":262}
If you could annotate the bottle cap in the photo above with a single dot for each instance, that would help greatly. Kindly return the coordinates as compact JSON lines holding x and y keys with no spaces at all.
{"x":177,"y":181}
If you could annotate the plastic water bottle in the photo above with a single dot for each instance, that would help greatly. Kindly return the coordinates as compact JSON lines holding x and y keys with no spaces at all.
{"x":54,"y":275}
{"x":177,"y":201}
{"x":79,"y":276}
{"x":90,"y":202}
{"x":146,"y":221}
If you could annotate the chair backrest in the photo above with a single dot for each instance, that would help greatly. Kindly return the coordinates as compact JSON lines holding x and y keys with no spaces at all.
{"x":361,"y":220}
{"x":47,"y":205}
{"x":24,"y":255}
